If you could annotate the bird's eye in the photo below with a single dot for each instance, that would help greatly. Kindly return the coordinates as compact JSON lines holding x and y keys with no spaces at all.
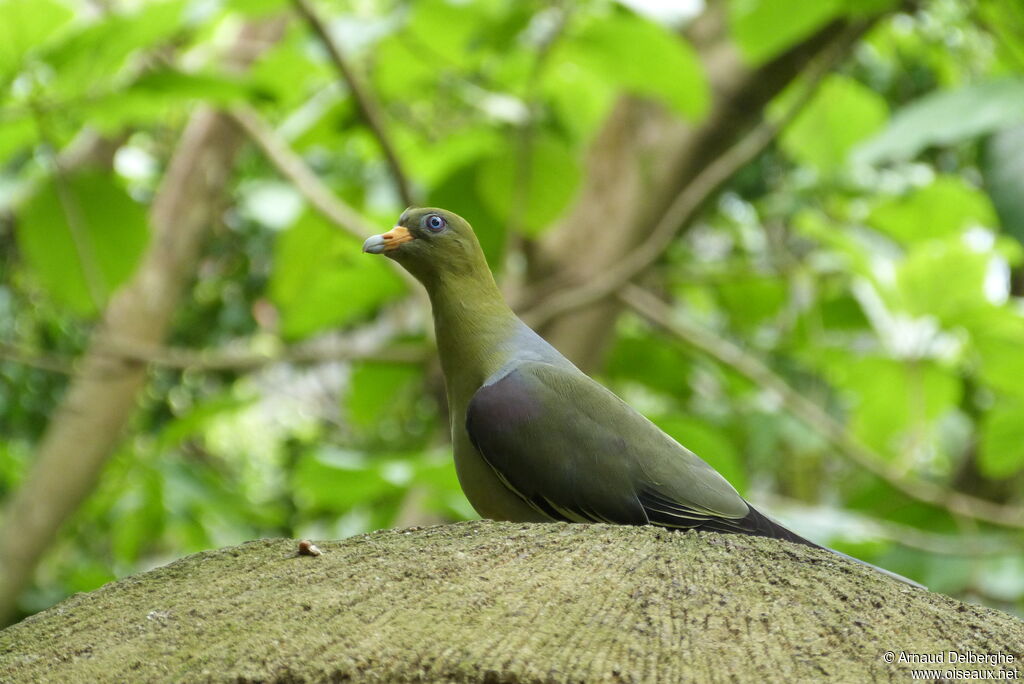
{"x":436,"y":223}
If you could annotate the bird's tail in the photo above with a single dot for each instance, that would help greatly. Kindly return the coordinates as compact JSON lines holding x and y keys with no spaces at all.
{"x":765,"y":526}
{"x":890,"y":573}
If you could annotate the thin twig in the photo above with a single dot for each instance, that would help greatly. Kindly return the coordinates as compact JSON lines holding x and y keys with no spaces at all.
{"x":308,"y":184}
{"x":36,"y":359}
{"x":727,"y":353}
{"x":365,"y":103}
{"x":217,"y":360}
{"x":295,"y":169}
{"x":685,"y":206}
{"x":244,"y":359}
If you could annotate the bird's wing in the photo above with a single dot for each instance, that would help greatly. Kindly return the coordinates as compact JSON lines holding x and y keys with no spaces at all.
{"x":574,"y":451}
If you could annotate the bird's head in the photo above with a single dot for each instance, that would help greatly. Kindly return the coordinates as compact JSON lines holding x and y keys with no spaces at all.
{"x":430,"y":243}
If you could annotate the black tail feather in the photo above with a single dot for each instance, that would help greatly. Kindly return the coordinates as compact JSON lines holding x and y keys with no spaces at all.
{"x":759,"y":525}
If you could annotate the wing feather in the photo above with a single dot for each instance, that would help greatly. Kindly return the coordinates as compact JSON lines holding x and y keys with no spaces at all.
{"x":575,"y":452}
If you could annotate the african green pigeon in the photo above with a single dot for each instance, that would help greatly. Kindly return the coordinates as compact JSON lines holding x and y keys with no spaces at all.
{"x":536,"y":439}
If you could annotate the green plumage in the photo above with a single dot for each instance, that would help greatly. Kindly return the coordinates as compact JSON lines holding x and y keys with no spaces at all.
{"x":535,"y":438}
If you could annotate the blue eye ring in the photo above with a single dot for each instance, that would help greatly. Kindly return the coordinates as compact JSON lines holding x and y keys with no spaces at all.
{"x":435,"y":223}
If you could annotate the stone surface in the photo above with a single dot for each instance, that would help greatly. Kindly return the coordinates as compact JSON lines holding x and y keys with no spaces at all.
{"x":503,"y":602}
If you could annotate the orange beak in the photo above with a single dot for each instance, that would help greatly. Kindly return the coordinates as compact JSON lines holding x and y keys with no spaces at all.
{"x":376,"y":244}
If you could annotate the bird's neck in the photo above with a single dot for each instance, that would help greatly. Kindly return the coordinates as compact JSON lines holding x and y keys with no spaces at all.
{"x":475,"y":330}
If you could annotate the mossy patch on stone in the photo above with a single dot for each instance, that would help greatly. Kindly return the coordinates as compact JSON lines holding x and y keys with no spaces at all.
{"x":502,"y":602}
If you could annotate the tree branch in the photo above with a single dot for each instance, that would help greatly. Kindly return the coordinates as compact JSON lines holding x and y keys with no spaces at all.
{"x":53,"y":363}
{"x":637,"y":165}
{"x":87,"y":424}
{"x":728,"y":354}
{"x":365,"y":103}
{"x":217,"y":360}
{"x":687,"y":203}
{"x":294,"y":168}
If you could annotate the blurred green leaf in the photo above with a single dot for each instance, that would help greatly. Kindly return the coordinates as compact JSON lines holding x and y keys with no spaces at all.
{"x":289,"y":73}
{"x":15,"y":135}
{"x":766,"y":28}
{"x":95,"y":53}
{"x":88,"y":576}
{"x":332,"y":480}
{"x":650,"y":361}
{"x":436,"y":161}
{"x":445,"y":32}
{"x":197,"y":419}
{"x":140,"y":515}
{"x":1003,"y":170}
{"x":855,"y":255}
{"x":437,"y":470}
{"x":840,"y":312}
{"x":842,"y":113}
{"x":642,"y":58}
{"x":256,"y":7}
{"x":1005,"y":20}
{"x":111,"y":112}
{"x":379,"y":391}
{"x":25,"y":25}
{"x":943,"y":279}
{"x":892,"y":399}
{"x":752,"y":300}
{"x":152,"y":96}
{"x":533,"y":194}
{"x":112,"y":236}
{"x":435,"y":474}
{"x":459,"y":192}
{"x":940,"y":210}
{"x":1001,"y":452}
{"x":871,"y":494}
{"x":14,"y":459}
{"x":579,"y":98}
{"x":999,"y":341}
{"x":327,"y":128}
{"x":215,"y":88}
{"x":321,"y":278}
{"x":944,"y":118}
{"x":399,"y":69}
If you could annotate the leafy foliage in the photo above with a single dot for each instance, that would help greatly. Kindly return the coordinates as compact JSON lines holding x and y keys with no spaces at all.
{"x":320,"y":279}
{"x":90,"y":254}
{"x":947,"y":117}
{"x":871,"y":259}
{"x":842,"y":113}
